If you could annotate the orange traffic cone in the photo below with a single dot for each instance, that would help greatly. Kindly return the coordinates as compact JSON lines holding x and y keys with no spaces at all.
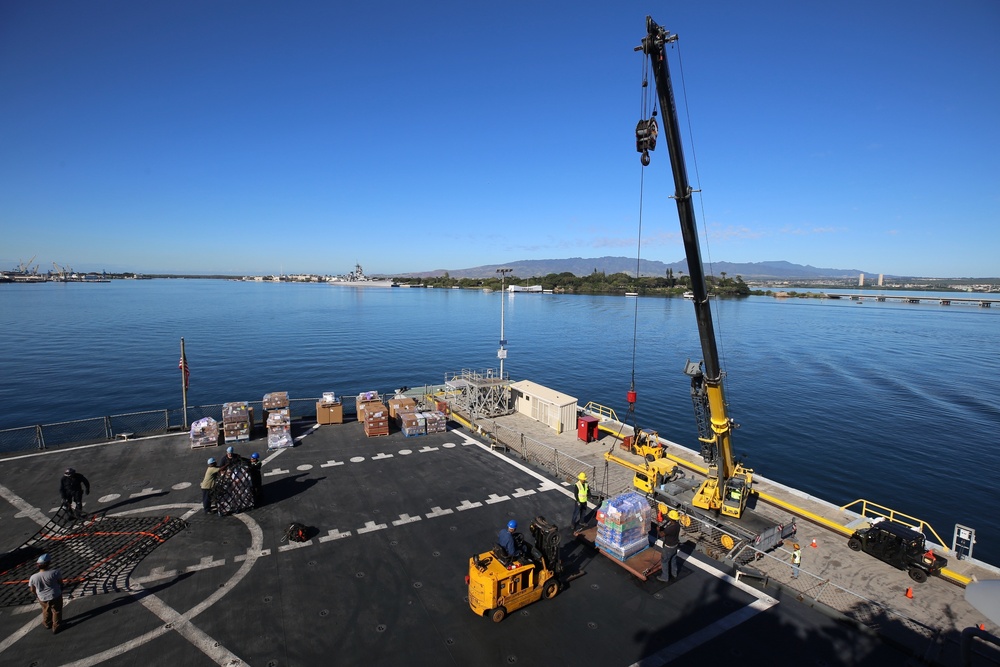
{"x":909,"y":592}
{"x":813,"y":545}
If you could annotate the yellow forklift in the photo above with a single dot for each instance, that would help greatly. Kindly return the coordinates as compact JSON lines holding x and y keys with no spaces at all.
{"x":500,"y":584}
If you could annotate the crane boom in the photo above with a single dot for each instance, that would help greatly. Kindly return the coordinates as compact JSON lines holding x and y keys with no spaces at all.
{"x":728,"y":484}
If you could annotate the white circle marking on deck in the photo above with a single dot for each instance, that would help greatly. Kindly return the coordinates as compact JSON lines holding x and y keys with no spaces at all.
{"x":108,"y":498}
{"x":304,"y":467}
{"x":181,"y":486}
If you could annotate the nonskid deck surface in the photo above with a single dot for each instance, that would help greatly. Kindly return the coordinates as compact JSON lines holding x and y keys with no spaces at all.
{"x":381,"y":581}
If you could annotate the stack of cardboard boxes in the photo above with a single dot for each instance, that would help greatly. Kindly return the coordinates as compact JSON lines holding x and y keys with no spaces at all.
{"x":237,"y":419}
{"x":204,"y":433}
{"x":329,"y":409}
{"x":279,"y":420}
{"x":373,"y":413}
{"x":436,"y":421}
{"x":411,"y":423}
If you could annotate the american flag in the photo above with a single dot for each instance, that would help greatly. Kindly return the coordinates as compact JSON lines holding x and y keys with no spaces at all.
{"x":183,"y":365}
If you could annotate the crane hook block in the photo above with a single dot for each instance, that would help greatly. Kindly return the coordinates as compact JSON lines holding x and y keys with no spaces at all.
{"x":645,"y":136}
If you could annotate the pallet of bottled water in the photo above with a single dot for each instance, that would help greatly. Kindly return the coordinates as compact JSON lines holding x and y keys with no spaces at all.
{"x":623,"y":525}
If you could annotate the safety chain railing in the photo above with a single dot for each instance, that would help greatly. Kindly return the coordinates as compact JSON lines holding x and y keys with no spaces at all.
{"x":135,"y":424}
{"x":560,"y":464}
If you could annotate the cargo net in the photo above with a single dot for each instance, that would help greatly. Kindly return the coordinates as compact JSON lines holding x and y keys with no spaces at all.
{"x":96,"y":554}
{"x":233,"y":490}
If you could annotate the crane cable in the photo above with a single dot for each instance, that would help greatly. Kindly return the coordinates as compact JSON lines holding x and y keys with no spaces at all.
{"x":644,"y":107}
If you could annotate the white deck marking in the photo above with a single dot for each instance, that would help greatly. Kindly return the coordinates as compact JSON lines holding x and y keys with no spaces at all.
{"x":405,"y":452}
{"x":304,"y":467}
{"x":146,"y":492}
{"x":270,"y":458}
{"x":466,"y":505}
{"x":182,"y":623}
{"x":546,"y":484}
{"x":156,"y":574}
{"x":705,"y":635}
{"x":370,"y":526}
{"x":205,"y":563}
{"x":178,"y":622}
{"x":295,"y":545}
{"x":763,"y":602}
{"x":449,"y":445}
{"x":357,"y":459}
{"x":180,"y":486}
{"x":330,"y":463}
{"x":25,"y":510}
{"x":276,"y":471}
{"x":437,"y":511}
{"x":494,"y":498}
{"x":242,"y":557}
{"x":520,"y":493}
{"x":335,"y":535}
{"x":108,"y":498}
{"x":404,"y":519}
{"x":427,"y":448}
{"x":380,"y":456}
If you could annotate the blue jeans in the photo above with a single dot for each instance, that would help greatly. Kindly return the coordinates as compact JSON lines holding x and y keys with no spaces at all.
{"x":670,"y":564}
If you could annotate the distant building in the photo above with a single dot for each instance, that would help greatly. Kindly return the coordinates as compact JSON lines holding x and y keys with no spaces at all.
{"x":861,"y":280}
{"x":881,"y":277}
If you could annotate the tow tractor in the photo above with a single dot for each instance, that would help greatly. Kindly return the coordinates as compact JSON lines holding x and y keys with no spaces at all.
{"x":500,"y":584}
{"x":645,"y":443}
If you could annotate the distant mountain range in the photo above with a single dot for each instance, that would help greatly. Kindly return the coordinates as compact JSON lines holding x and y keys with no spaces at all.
{"x":580,"y":266}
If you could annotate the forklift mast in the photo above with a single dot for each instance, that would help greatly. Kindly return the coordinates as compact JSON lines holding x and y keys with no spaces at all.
{"x":716,"y":435}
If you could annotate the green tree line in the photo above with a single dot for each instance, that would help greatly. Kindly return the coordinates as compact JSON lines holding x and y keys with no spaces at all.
{"x":597,"y":282}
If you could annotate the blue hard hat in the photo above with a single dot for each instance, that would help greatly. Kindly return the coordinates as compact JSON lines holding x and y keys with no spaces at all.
{"x":229,"y":450}
{"x":211,"y":461}
{"x":44,"y":558}
{"x":255,"y":456}
{"x":512,"y":525}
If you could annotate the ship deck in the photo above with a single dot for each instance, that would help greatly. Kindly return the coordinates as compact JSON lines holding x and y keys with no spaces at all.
{"x":381,"y":581}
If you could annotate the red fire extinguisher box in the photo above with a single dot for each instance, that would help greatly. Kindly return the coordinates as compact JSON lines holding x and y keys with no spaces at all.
{"x":586,"y":428}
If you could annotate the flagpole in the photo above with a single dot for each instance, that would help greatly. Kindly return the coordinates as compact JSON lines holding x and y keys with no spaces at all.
{"x":184,"y":384}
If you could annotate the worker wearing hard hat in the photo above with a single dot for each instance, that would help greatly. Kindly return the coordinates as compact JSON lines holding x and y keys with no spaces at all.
{"x":208,"y":484}
{"x":46,"y":586}
{"x":507,"y":541}
{"x":670,"y":533}
{"x":580,"y":493}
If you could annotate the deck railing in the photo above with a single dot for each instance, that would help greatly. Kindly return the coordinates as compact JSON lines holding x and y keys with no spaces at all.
{"x":135,"y":424}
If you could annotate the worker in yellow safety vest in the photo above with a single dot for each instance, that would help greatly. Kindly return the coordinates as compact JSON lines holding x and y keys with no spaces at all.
{"x":580,"y":502}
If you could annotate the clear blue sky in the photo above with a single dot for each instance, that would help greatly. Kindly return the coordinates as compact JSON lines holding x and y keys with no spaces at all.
{"x":251,"y":137}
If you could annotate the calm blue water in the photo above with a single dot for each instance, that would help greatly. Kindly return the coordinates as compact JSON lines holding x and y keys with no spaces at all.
{"x":896,"y":403}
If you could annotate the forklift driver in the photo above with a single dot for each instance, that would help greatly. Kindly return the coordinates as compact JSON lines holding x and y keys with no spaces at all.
{"x":506,"y":540}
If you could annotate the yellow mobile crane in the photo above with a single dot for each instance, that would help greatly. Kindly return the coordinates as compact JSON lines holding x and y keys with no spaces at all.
{"x":728,"y":484}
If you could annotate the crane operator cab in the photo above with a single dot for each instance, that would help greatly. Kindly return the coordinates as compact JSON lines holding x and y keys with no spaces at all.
{"x":499,"y":583}
{"x":737,"y":492}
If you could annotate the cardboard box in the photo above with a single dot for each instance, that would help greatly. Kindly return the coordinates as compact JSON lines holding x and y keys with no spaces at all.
{"x":275,"y":400}
{"x":238,"y":411}
{"x":396,"y":405}
{"x":329,"y":413}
